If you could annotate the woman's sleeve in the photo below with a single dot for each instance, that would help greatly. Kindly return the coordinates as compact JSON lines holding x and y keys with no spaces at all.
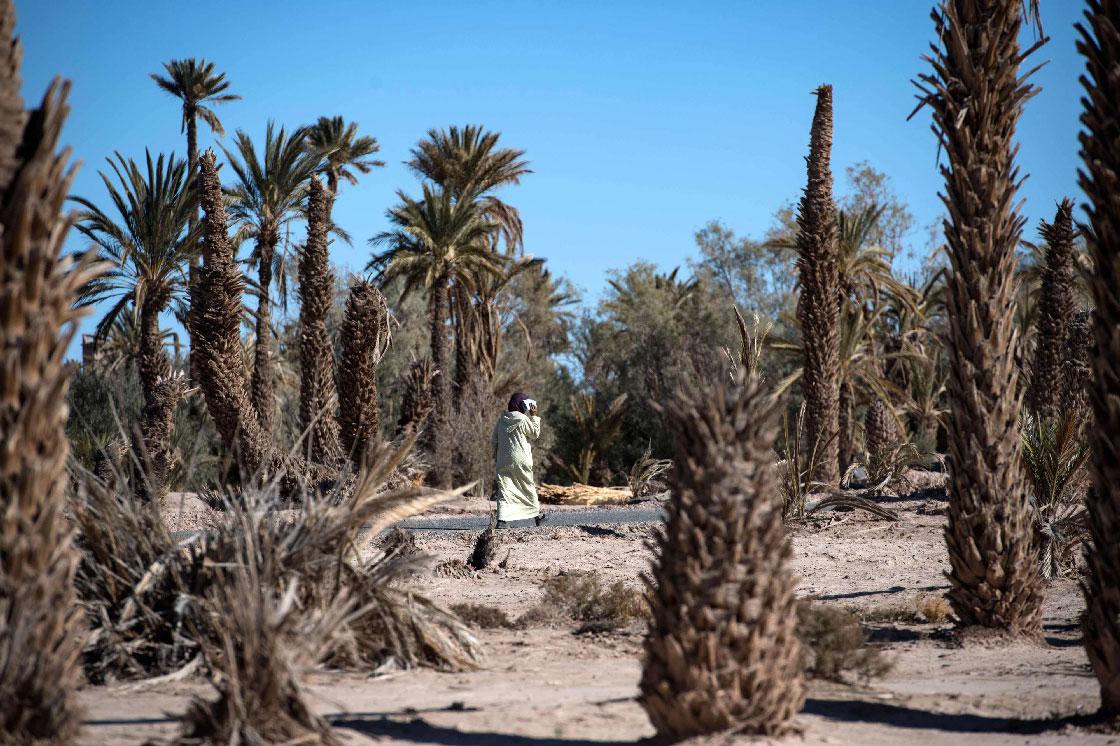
{"x":533,"y":427}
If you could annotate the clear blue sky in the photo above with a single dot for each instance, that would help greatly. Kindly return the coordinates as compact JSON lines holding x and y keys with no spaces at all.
{"x":643,"y":120}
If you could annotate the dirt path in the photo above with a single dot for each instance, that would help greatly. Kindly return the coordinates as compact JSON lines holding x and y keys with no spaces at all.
{"x":551,"y":687}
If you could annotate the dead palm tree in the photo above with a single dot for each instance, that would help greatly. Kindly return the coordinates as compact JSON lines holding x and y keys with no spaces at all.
{"x":149,"y":243}
{"x":436,"y":241}
{"x":1057,"y":307}
{"x":1100,"y":151}
{"x":267,"y":196}
{"x":976,"y":93}
{"x":41,"y":636}
{"x":365,"y":339}
{"x":722,"y":651}
{"x":817,"y":306}
{"x":341,"y":149}
{"x":317,"y":395}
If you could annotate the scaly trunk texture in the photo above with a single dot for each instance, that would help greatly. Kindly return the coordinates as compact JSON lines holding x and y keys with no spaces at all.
{"x":846,"y":447}
{"x":1056,"y":308}
{"x":416,"y":404}
{"x":441,"y":384}
{"x":1100,"y":180}
{"x":192,"y":276}
{"x":365,"y":337}
{"x":881,"y":435}
{"x":463,"y":321}
{"x":264,"y":384}
{"x":817,"y":312}
{"x":41,"y":633}
{"x":162,"y":393}
{"x":317,"y":400}
{"x":721,"y":652}
{"x":1076,"y":370}
{"x":219,"y":350}
{"x":977,"y":95}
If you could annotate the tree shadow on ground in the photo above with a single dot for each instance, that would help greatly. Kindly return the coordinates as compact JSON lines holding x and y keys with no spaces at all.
{"x":899,"y":716}
{"x":419,"y":730}
{"x":886,"y":592}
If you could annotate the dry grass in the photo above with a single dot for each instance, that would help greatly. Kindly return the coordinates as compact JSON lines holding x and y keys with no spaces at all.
{"x":482,"y":616}
{"x":834,"y":645}
{"x":582,"y":597}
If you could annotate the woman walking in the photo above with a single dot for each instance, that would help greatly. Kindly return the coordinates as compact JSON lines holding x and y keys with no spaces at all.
{"x":517,"y":490}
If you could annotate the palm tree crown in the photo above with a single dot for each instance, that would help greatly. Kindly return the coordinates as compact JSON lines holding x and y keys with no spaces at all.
{"x":148,"y":241}
{"x":196,"y":83}
{"x":340,"y":147}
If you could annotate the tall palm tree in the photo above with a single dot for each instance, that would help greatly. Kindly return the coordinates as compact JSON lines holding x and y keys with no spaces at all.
{"x":977,"y":93}
{"x":268,"y":194}
{"x":467,"y":163}
{"x":337,"y":142}
{"x":436,"y":241}
{"x":150,"y":242}
{"x":1100,"y":45}
{"x":198,"y":85}
{"x":817,"y":307}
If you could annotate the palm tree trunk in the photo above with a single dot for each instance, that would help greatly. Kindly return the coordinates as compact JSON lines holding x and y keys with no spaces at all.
{"x":441,"y":384}
{"x":264,"y":385}
{"x":162,"y":393}
{"x":192,"y":276}
{"x":846,"y":447}
{"x":1056,"y":309}
{"x":365,"y":336}
{"x":317,"y":397}
{"x":1100,"y":151}
{"x":42,"y":631}
{"x":817,"y":311}
{"x":977,"y":96}
{"x":722,"y":651}
{"x":464,"y":338}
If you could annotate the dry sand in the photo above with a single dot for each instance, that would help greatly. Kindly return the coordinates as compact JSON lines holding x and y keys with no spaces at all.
{"x":550,"y":687}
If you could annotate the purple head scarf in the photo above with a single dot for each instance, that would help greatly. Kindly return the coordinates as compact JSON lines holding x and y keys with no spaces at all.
{"x":515,"y":402}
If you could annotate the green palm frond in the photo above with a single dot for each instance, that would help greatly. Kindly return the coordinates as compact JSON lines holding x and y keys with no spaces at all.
{"x":196,"y":83}
{"x":339,"y":148}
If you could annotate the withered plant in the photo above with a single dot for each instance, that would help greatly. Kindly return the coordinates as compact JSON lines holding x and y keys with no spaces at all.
{"x":1100,"y":151}
{"x":721,"y":652}
{"x":1056,"y":309}
{"x":976,"y":93}
{"x":40,"y":626}
{"x":365,"y":339}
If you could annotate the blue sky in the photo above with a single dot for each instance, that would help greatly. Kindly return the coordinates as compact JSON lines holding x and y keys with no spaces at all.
{"x":642,"y":120}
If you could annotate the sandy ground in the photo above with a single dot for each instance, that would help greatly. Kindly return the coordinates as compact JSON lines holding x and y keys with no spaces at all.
{"x":551,"y":687}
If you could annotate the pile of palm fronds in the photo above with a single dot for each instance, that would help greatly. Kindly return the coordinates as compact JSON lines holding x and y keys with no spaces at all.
{"x":646,"y":473}
{"x":145,"y":592}
{"x":1055,"y":453}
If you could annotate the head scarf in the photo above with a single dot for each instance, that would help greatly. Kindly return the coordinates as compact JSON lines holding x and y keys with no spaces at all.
{"x":515,"y":402}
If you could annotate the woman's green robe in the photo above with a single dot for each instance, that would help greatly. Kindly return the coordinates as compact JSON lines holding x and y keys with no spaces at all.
{"x":517,"y":491}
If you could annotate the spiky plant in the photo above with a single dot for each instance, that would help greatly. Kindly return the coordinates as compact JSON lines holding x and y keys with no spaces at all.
{"x":597,"y":428}
{"x":365,"y":339}
{"x":219,"y":352}
{"x":40,"y":628}
{"x":976,"y":94}
{"x":722,"y":651}
{"x":1076,"y":367}
{"x":1100,"y":151}
{"x":417,"y":402}
{"x":1056,"y":308}
{"x":880,"y":435}
{"x":818,"y":313}
{"x":317,"y":420}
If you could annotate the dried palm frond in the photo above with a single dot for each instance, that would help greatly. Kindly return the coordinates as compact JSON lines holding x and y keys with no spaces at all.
{"x":40,"y":625}
{"x":645,"y":471}
{"x":752,"y":340}
{"x":722,"y":652}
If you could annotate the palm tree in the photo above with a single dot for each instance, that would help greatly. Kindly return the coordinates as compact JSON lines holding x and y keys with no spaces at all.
{"x":437,"y":241}
{"x":1057,"y":307}
{"x":469,"y":165}
{"x":337,"y":143}
{"x":197,"y":84}
{"x":268,"y":195}
{"x":817,"y":306}
{"x":1100,"y":45}
{"x":150,"y":243}
{"x":976,"y":94}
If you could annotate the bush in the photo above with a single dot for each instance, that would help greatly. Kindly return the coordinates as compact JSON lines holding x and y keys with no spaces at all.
{"x":833,"y":643}
{"x":581,"y":597}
